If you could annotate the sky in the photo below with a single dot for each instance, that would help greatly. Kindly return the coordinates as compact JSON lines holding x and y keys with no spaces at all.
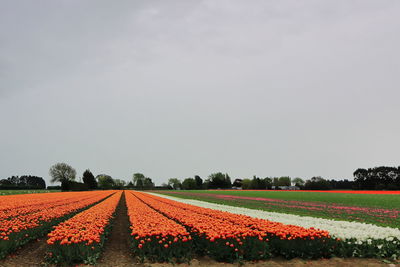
{"x":183,"y":88}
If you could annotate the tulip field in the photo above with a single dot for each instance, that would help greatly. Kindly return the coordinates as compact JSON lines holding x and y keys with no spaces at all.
{"x":178,"y":226}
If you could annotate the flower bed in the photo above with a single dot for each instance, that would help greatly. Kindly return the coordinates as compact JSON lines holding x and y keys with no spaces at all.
{"x":357,"y":239}
{"x":81,"y":238}
{"x":302,"y":240}
{"x":331,"y":210}
{"x":154,"y":236}
{"x":17,"y":205}
{"x":229,"y":237}
{"x":18,"y":230}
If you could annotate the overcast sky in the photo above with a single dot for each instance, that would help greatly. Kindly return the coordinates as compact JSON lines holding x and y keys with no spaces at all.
{"x":179,"y":88}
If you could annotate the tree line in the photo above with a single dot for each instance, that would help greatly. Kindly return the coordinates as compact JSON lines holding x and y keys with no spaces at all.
{"x":377,"y":178}
{"x":23,"y":182}
{"x":66,"y":175}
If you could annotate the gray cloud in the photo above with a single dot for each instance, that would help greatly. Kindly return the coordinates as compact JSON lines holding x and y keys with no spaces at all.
{"x":174,"y":89}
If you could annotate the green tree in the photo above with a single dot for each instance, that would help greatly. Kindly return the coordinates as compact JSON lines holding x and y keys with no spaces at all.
{"x":219,"y":180}
{"x":298,"y":182}
{"x":268,"y":182}
{"x":284,"y":181}
{"x":189,"y":184}
{"x":138,"y":180}
{"x":105,"y":181}
{"x":317,"y":183}
{"x":246,"y":183}
{"x":199,"y":182}
{"x":63,"y":173}
{"x":175,"y":183}
{"x":148,"y":183}
{"x":256,"y":183}
{"x":89,"y":180}
{"x":119,"y":184}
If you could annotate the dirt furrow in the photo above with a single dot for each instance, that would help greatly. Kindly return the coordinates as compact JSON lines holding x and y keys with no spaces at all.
{"x":116,"y":249}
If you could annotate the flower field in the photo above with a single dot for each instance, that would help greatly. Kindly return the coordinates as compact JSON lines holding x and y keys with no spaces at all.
{"x":26,"y":218}
{"x":155,"y":236}
{"x":358,"y":239}
{"x":77,"y":227}
{"x":80,"y":239}
{"x":229,"y":237}
{"x":379,"y":209}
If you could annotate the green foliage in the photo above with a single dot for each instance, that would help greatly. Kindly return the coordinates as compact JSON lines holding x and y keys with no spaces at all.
{"x":284,"y":181}
{"x":148,"y":183}
{"x":199,"y":182}
{"x":23,"y":182}
{"x":246,"y":184}
{"x":74,"y":186}
{"x":17,"y":192}
{"x":142,"y":182}
{"x":119,"y":184}
{"x":298,"y":182}
{"x":105,"y":181}
{"x":258,"y":183}
{"x":189,"y":184}
{"x":89,"y":180}
{"x":281,"y":181}
{"x":377,"y":178}
{"x":219,"y":180}
{"x":317,"y":183}
{"x":175,"y":183}
{"x":138,"y":180}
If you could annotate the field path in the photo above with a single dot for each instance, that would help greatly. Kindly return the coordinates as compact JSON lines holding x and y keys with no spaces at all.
{"x":116,"y":249}
{"x":32,"y":254}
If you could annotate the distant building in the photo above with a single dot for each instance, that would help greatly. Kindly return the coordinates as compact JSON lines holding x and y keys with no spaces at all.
{"x":237,"y":184}
{"x":285,"y":187}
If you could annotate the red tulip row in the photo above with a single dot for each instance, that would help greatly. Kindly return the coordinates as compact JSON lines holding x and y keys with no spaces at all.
{"x":154,"y":236}
{"x":18,"y":230}
{"x":228,"y":237}
{"x":81,"y":238}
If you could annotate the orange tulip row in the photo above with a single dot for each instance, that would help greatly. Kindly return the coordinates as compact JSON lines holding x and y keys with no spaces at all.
{"x":146,"y":222}
{"x":86,"y":227}
{"x":211,"y":227}
{"x":21,"y":224}
{"x":17,"y":205}
{"x":154,"y":236}
{"x":228,"y":237}
{"x":46,"y":211}
{"x":273,"y":228}
{"x":81,"y":238}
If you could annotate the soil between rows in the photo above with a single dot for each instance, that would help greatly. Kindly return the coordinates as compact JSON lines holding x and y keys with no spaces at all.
{"x":117,"y":253}
{"x":116,"y":249}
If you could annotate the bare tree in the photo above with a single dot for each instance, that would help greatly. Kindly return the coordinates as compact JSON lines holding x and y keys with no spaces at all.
{"x":62,"y":172}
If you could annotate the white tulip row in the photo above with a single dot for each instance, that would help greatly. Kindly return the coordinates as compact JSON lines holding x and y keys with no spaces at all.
{"x":362,"y":232}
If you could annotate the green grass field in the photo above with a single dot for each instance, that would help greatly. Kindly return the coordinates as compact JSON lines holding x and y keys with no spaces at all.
{"x":377,"y":209}
{"x":15,"y":192}
{"x":367,"y":200}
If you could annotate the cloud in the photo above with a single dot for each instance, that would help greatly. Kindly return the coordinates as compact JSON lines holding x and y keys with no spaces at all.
{"x":190,"y":87}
